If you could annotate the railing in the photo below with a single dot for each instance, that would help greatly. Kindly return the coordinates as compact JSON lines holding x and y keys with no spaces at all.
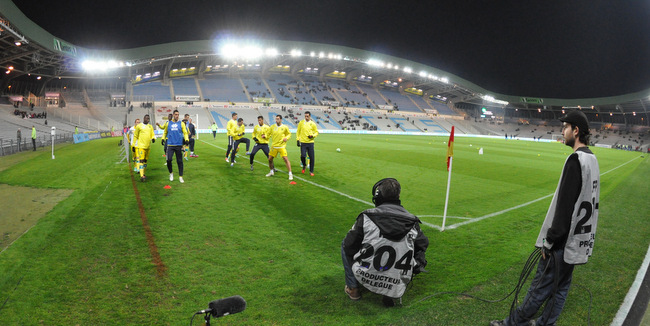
{"x":12,"y":146}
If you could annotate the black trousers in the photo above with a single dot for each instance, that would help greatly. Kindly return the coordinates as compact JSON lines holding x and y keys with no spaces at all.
{"x":234,"y":147}
{"x":178,"y":150}
{"x":257,"y":147}
{"x":231,"y":142}
{"x":34,"y":143}
{"x":307,"y":149}
{"x":191,"y":145}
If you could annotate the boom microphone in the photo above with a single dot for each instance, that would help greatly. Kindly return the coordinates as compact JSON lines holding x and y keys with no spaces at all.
{"x":225,"y":306}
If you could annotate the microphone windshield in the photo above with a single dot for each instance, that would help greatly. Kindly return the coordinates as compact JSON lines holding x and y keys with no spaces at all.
{"x":227,"y":306}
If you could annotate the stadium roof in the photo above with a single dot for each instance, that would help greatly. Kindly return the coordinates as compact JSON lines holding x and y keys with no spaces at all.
{"x":43,"y":54}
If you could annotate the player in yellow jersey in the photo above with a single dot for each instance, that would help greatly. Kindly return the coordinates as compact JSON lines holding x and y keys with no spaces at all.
{"x":132,"y":142}
{"x":306,"y":133}
{"x":143,"y":136}
{"x":279,"y":135}
{"x":230,"y":126}
{"x":163,"y":141}
{"x":239,"y":138}
{"x":261,"y":138}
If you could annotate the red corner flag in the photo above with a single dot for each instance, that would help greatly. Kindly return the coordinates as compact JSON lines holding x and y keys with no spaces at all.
{"x":450,"y":147}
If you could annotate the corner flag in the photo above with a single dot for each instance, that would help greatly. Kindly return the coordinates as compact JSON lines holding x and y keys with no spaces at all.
{"x":450,"y":158}
{"x":450,"y":147}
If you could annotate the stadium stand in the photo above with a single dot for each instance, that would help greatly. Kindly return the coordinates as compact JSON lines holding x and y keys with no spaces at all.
{"x":279,"y":86}
{"x":156,"y":89}
{"x":399,"y":101}
{"x":184,"y":86}
{"x":220,"y":88}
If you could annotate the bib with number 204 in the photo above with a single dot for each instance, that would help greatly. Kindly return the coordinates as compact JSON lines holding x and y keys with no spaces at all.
{"x":383,"y":266}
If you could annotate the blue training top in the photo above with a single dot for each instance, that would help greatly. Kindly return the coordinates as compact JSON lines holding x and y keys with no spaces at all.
{"x":175,"y":133}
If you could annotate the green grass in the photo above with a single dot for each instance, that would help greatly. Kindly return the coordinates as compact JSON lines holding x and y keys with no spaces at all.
{"x":230,"y":231}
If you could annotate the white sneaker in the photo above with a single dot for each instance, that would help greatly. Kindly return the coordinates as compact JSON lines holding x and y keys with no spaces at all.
{"x":270,"y":174}
{"x":227,"y":160}
{"x":290,"y":176}
{"x":171,"y":177}
{"x":232,"y":164}
{"x":181,"y":179}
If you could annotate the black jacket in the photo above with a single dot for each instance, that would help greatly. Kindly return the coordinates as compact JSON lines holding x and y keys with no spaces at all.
{"x":394,"y":222}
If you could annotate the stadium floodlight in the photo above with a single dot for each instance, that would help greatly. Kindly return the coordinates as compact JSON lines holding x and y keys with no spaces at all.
{"x":230,"y":51}
{"x":251,"y":52}
{"x":444,"y":80}
{"x":408,"y":70}
{"x":423,"y":73}
{"x":312,"y":54}
{"x":375,"y":62}
{"x":271,"y":52}
{"x":389,"y":65}
{"x":338,"y":56}
{"x":38,"y":78}
{"x":296,"y":53}
{"x":321,"y":54}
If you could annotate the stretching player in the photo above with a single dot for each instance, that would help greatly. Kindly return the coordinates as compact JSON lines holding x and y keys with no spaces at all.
{"x":306,"y":133}
{"x":143,"y":136}
{"x":177,"y":136}
{"x":280,"y":134}
{"x":239,"y":138}
{"x":261,"y":139}
{"x":232,"y":124}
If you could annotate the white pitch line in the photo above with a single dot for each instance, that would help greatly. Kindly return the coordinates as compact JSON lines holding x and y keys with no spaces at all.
{"x":621,"y":315}
{"x":458,"y":217}
{"x":332,"y":190}
{"x":453,"y":226}
{"x":310,"y":182}
{"x":620,"y":165}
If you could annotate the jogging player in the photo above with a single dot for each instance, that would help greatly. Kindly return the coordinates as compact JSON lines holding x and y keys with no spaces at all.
{"x":568,"y":233}
{"x":214,"y":130}
{"x":261,"y":139}
{"x":177,"y":136}
{"x":239,"y":138}
{"x":143,"y":136}
{"x":230,"y":132}
{"x":279,"y":135}
{"x":306,"y":133}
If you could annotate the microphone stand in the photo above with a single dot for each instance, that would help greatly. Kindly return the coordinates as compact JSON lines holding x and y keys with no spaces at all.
{"x":207,"y":318}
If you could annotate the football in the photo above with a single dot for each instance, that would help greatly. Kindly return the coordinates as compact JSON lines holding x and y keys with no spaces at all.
{"x":338,"y":150}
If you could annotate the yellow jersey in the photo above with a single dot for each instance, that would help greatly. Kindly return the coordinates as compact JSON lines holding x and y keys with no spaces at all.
{"x":306,"y":129}
{"x":258,"y":131}
{"x":142,"y":135}
{"x":277,"y":134}
{"x":238,"y":132}
{"x":230,"y":126}
{"x":164,"y":127}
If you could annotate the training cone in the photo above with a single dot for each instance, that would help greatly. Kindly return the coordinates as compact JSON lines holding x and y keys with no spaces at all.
{"x":292,"y":183}
{"x":168,"y":187}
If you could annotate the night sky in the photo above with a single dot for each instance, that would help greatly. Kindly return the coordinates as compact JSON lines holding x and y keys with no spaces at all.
{"x":562,"y":49}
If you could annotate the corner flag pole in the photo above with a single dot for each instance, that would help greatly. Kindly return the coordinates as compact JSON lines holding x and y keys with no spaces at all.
{"x":450,"y":159}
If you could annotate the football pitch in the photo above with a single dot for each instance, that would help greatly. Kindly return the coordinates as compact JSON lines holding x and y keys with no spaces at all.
{"x":97,"y":258}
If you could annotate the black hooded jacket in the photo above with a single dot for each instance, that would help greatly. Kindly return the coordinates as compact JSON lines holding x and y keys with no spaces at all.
{"x":394,"y":222}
